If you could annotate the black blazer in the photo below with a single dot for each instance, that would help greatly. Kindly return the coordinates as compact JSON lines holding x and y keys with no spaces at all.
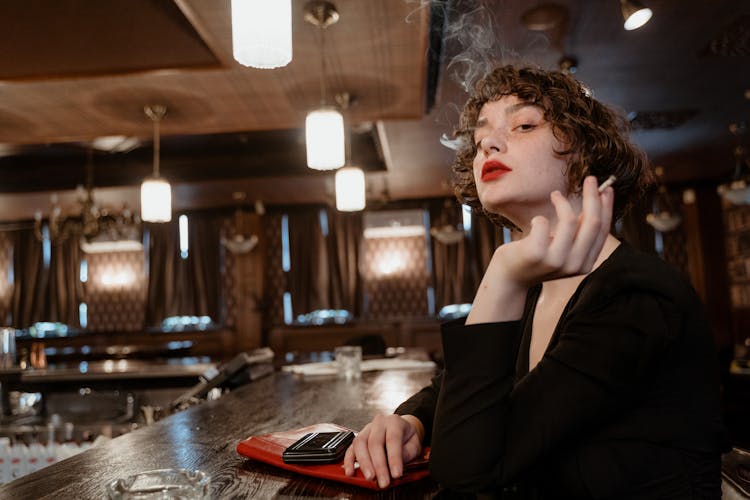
{"x":624,"y":403}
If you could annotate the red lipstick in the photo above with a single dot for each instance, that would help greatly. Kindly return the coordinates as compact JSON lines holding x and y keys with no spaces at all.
{"x":493,"y":169}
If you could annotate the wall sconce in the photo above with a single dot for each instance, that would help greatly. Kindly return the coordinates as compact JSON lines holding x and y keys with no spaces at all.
{"x":664,"y":216}
{"x":324,"y":127}
{"x":737,"y":191}
{"x":635,"y":14}
{"x":156,"y":193}
{"x":262,"y":33}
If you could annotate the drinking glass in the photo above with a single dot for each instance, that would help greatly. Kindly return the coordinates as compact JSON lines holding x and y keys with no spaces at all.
{"x":7,"y":348}
{"x":349,"y":361}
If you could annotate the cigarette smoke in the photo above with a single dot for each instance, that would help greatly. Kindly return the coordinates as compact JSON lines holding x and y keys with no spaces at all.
{"x":471,"y":46}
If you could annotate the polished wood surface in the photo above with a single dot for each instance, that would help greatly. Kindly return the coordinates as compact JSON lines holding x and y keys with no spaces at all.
{"x":205,"y":437}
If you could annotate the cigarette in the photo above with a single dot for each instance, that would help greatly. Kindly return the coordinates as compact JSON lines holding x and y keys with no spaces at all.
{"x":610,"y":180}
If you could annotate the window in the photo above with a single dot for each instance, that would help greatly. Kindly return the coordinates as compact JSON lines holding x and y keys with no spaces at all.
{"x":183,"y":236}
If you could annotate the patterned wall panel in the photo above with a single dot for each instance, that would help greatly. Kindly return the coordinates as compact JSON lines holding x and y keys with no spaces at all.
{"x":395,"y":277}
{"x":6,"y":288}
{"x":737,"y":224}
{"x":116,"y":291}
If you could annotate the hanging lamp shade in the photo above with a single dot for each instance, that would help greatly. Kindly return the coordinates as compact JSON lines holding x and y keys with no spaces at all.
{"x":350,"y":189}
{"x":635,"y":14}
{"x":156,"y":200}
{"x":262,"y":33}
{"x":156,"y":193}
{"x":324,"y":139}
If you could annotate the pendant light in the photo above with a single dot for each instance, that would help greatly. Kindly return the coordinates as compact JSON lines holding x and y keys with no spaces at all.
{"x":262,"y":33}
{"x":156,"y":193}
{"x":350,"y":180}
{"x":635,"y":14}
{"x":350,"y":189}
{"x":324,"y":127}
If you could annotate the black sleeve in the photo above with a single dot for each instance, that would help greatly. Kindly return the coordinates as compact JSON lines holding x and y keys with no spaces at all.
{"x":500,"y":431}
{"x":422,"y":405}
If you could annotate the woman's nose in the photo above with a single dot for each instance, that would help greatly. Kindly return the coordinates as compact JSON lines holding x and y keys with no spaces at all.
{"x":493,"y":143}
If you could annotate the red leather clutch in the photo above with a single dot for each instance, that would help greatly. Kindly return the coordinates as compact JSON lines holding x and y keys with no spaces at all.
{"x":267,"y":448}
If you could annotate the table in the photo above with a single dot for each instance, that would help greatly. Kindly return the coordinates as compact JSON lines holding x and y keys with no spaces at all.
{"x":205,"y":436}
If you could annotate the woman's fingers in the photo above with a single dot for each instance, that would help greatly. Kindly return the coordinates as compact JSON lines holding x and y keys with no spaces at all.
{"x":607,"y":202}
{"x":375,"y":445}
{"x":380,"y":449}
{"x":561,"y":246}
{"x":574,"y":244}
{"x":585,"y":249}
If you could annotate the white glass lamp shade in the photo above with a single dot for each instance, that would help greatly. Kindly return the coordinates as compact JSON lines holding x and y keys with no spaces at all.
{"x":635,"y":14}
{"x":156,"y":200}
{"x":350,"y":189}
{"x":664,"y":221}
{"x":737,"y":192}
{"x":324,"y":138}
{"x":262,"y":32}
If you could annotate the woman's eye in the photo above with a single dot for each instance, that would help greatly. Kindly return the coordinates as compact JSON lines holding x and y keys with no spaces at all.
{"x":524,"y":127}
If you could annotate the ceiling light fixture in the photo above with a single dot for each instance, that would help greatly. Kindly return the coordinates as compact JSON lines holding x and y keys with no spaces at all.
{"x":98,"y":228}
{"x":635,"y":14}
{"x":262,"y":33}
{"x":350,"y":180}
{"x":324,"y":127}
{"x":156,"y":193}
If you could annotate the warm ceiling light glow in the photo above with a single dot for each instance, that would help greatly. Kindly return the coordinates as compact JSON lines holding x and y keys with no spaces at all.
{"x":350,"y":189}
{"x":156,"y":200}
{"x":635,"y":14}
{"x":324,"y":138}
{"x":262,"y":32}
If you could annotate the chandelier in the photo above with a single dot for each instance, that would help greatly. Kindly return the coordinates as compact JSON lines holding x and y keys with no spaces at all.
{"x":98,"y":228}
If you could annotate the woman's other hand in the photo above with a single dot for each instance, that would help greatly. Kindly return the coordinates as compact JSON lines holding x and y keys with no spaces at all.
{"x":383,"y":446}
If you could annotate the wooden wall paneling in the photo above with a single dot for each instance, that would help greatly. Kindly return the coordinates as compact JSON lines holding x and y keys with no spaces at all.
{"x":248,"y":284}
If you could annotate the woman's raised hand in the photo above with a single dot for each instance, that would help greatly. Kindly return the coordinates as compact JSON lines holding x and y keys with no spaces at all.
{"x":545,"y":253}
{"x":573,"y":247}
{"x":383,"y":446}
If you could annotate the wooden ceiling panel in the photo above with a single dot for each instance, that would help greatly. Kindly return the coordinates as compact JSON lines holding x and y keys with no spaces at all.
{"x":64,"y":38}
{"x":180,"y":52}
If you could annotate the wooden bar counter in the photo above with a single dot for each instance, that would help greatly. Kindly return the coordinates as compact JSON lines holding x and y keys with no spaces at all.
{"x":205,"y":437}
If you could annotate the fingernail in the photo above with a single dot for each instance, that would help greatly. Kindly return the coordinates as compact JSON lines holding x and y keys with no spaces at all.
{"x":368,"y":474}
{"x":396,"y":472}
{"x":383,"y":483}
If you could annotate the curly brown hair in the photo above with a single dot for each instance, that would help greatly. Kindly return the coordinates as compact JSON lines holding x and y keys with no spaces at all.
{"x":594,"y":136}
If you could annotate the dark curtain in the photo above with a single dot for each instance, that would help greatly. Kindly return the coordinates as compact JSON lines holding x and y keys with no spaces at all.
{"x":344,"y":244}
{"x":308,"y":277}
{"x":46,"y":293}
{"x":65,"y":290}
{"x":183,"y":287}
{"x":30,"y":279}
{"x":451,"y":267}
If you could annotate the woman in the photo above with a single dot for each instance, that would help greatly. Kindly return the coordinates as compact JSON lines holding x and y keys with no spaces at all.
{"x":585,"y":368}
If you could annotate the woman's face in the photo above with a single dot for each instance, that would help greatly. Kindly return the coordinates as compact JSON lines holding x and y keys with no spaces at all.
{"x":516,"y":167}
